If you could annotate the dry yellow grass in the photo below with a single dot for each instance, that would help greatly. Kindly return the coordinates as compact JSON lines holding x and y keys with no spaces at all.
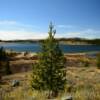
{"x":82,"y":83}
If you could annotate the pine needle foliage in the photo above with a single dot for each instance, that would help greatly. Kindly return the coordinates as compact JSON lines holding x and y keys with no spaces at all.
{"x":49,"y":72}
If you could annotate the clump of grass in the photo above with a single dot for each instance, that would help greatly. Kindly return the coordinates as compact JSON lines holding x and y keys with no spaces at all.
{"x":86,"y":94}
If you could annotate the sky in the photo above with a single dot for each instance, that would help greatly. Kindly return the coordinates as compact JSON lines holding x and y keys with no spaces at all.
{"x":29,"y":19}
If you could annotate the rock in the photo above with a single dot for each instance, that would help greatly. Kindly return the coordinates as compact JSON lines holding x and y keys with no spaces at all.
{"x":67,"y":98}
{"x":15,"y":83}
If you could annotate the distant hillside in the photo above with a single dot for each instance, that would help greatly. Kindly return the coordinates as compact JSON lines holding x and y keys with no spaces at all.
{"x":79,"y":41}
{"x":72,"y":41}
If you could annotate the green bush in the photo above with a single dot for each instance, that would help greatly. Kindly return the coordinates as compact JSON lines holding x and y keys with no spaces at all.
{"x":3,"y":54}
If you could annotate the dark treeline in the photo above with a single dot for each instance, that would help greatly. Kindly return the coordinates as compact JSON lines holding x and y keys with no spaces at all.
{"x":21,"y":41}
{"x":95,"y":41}
{"x":65,"y":40}
{"x":81,"y":40}
{"x":3,"y":55}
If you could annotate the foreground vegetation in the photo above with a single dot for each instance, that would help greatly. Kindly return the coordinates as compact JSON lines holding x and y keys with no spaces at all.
{"x":82,"y":84}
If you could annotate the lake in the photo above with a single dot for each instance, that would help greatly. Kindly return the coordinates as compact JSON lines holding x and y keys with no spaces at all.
{"x":35,"y":47}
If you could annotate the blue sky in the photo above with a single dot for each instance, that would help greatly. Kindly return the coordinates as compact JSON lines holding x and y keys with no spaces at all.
{"x":29,"y":19}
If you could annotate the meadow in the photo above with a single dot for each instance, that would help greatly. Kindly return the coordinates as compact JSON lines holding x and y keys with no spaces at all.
{"x":83,"y":83}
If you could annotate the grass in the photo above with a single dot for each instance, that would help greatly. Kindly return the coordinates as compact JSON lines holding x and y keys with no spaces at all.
{"x":83,"y":83}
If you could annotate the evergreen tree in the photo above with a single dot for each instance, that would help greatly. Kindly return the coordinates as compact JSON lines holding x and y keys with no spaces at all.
{"x":0,"y":72}
{"x":4,"y":63}
{"x":49,"y":72}
{"x":3,"y":58}
{"x":3,"y":54}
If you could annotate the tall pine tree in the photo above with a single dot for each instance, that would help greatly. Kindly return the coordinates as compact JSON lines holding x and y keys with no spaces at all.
{"x":49,"y":72}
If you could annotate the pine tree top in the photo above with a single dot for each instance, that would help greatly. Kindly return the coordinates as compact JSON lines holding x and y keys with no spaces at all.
{"x":52,"y":31}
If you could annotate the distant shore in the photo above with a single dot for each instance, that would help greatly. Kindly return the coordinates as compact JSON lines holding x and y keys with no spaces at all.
{"x":70,"y":41}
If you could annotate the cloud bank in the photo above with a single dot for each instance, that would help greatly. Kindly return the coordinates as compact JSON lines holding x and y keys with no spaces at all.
{"x":12,"y":30}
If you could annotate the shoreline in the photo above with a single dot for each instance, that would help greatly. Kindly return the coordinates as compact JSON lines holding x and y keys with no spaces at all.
{"x":65,"y":53}
{"x":60,"y":42}
{"x":23,"y":61}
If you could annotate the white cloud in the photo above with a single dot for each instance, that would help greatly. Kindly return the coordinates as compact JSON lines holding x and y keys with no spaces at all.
{"x":13,"y":35}
{"x":7,"y":22}
{"x":65,"y":26}
{"x":91,"y":31}
{"x":73,"y":34}
{"x":14,"y":24}
{"x":86,"y":33}
{"x":24,"y":34}
{"x":10,"y":30}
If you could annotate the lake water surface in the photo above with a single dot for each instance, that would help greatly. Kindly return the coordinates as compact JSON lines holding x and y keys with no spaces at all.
{"x":35,"y":47}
